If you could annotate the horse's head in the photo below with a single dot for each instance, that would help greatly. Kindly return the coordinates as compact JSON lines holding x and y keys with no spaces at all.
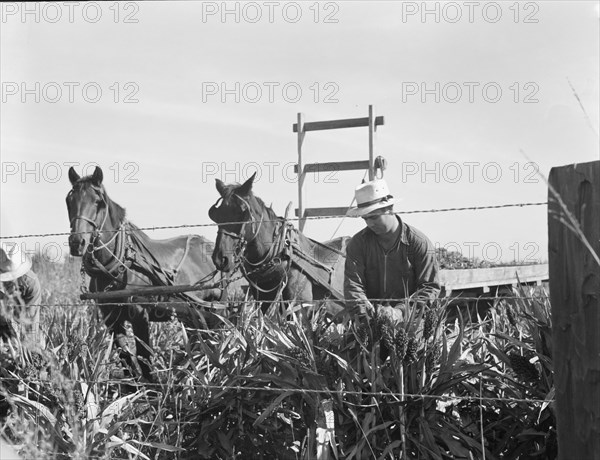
{"x":232,"y":211}
{"x":87,"y":207}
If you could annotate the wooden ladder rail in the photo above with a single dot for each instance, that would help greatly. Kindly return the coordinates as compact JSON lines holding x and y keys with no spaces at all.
{"x":301,"y":128}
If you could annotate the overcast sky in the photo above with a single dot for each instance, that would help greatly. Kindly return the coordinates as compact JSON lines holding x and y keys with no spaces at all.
{"x":166,"y":97}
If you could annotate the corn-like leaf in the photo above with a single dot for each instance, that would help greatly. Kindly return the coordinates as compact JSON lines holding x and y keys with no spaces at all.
{"x":225,"y":442}
{"x":91,"y":406}
{"x":34,"y":407}
{"x":431,"y":443}
{"x":38,"y":412}
{"x":116,"y":408}
{"x":115,"y":441}
{"x":267,"y":412}
{"x":157,"y":445}
{"x":388,"y":451}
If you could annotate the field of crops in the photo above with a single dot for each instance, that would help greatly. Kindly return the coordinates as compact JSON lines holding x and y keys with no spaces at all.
{"x":262,"y":386}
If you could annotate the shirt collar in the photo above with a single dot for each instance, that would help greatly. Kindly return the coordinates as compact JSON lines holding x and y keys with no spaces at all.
{"x":403,"y":231}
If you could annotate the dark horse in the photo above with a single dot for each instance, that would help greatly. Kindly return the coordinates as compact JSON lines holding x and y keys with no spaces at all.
{"x":277,"y":260}
{"x":116,"y":254}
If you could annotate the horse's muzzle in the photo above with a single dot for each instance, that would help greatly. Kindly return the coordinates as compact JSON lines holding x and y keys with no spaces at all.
{"x":77,"y":245}
{"x":222,"y":263}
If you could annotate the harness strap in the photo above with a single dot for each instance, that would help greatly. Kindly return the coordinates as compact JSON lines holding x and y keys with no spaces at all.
{"x":284,"y":245}
{"x":326,"y":246}
{"x":185,"y":253}
{"x":88,"y":220}
{"x":315,"y":274}
{"x":152,"y":267}
{"x":313,"y":267}
{"x":116,"y":267}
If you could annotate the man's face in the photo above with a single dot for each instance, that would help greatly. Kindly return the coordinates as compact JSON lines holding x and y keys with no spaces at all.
{"x":381,"y":221}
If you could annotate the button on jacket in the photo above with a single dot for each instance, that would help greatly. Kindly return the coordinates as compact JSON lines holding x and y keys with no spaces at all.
{"x":409,"y":267}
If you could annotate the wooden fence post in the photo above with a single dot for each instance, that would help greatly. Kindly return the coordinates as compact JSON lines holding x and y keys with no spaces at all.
{"x":574,"y":293}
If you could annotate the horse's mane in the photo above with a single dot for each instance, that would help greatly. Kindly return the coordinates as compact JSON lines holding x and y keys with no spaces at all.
{"x":232,"y":188}
{"x":269,"y":209}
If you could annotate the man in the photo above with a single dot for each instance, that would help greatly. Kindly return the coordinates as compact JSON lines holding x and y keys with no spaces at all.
{"x":388,"y":259}
{"x":21,"y":295}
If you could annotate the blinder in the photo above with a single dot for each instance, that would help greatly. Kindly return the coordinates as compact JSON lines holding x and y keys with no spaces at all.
{"x":212,"y":212}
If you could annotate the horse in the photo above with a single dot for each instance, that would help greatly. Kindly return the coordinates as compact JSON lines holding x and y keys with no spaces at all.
{"x":116,"y":254}
{"x":276,"y":259}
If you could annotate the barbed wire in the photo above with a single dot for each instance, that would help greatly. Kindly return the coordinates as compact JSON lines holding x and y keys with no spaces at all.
{"x":157,"y":303}
{"x":212,"y":224}
{"x":62,"y":456}
{"x":310,"y":391}
{"x":340,"y":393}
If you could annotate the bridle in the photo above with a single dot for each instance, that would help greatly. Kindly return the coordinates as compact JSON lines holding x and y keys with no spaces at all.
{"x":90,"y":263}
{"x":240,"y":237}
{"x":97,"y":230}
{"x":271,"y":258}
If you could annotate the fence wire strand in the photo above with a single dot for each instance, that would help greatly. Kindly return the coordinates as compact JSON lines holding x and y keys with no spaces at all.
{"x":341,"y":393}
{"x":217,"y":304}
{"x":212,"y":224}
{"x":309,"y":391}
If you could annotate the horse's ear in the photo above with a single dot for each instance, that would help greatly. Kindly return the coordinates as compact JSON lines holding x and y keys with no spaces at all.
{"x":97,"y":176}
{"x":246,"y":187}
{"x":73,"y":176}
{"x":221,"y":187}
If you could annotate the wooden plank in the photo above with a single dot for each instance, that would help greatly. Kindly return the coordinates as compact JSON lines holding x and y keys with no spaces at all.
{"x":338,"y":124}
{"x":323,"y":212}
{"x":371,"y":143}
{"x":302,"y":175}
{"x":497,"y":276}
{"x":145,"y":291}
{"x":334,"y":166}
{"x":575,"y":294}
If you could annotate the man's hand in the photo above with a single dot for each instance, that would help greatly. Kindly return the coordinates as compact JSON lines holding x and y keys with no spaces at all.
{"x":394,"y":315}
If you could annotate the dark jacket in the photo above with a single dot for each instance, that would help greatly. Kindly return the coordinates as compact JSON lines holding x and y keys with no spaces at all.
{"x":410,"y":267}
